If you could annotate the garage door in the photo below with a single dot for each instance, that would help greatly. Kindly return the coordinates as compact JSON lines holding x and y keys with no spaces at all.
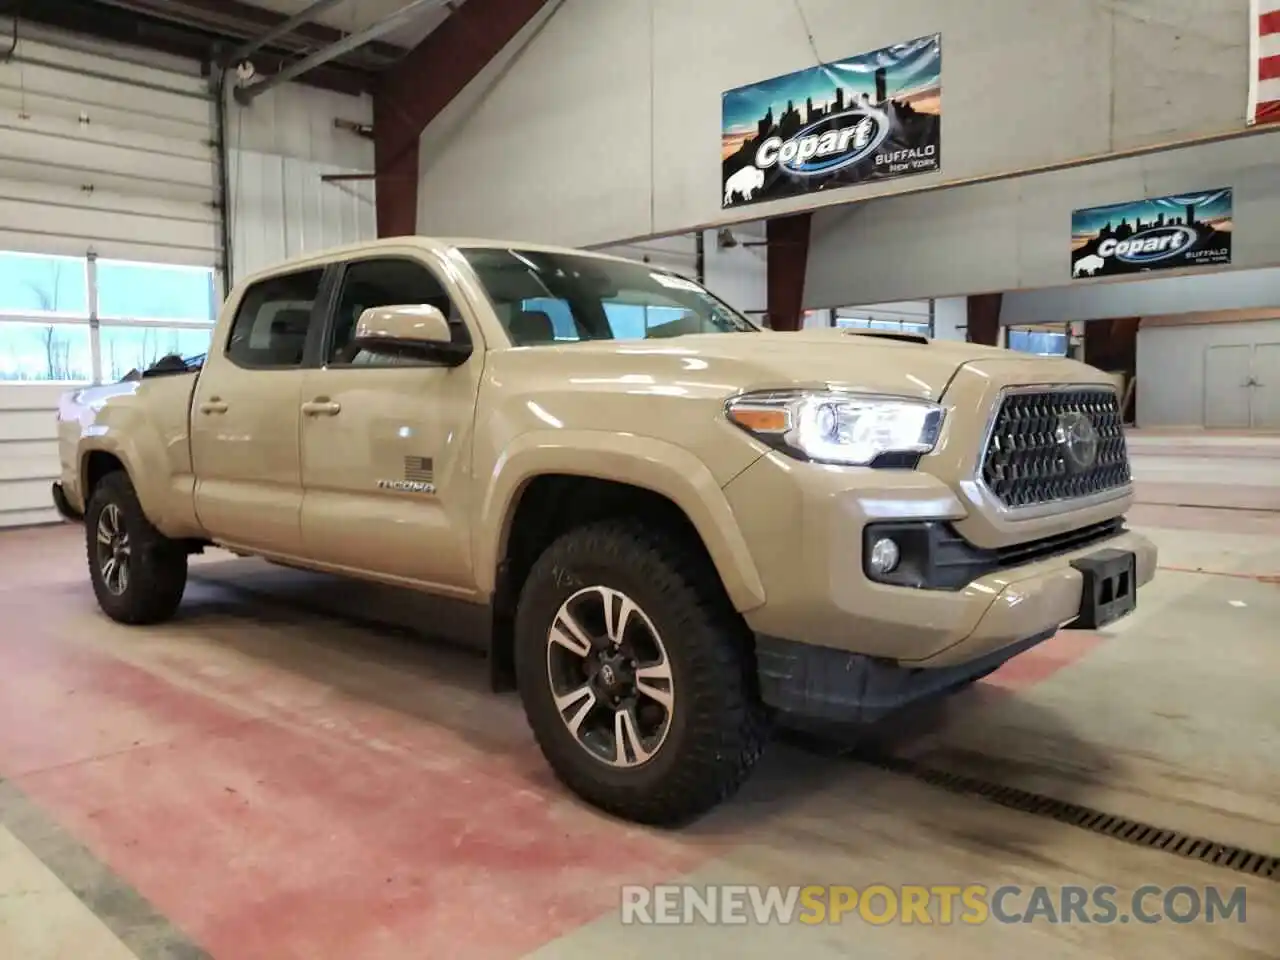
{"x":109,"y":233}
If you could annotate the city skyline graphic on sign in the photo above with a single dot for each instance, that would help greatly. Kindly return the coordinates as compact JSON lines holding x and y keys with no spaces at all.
{"x":1210,"y":208}
{"x":908,"y":73}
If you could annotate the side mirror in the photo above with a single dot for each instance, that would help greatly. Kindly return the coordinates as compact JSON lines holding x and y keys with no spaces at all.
{"x":417,"y":329}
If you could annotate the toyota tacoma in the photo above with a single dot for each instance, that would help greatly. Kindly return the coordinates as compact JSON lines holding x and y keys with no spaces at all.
{"x":674,"y":525}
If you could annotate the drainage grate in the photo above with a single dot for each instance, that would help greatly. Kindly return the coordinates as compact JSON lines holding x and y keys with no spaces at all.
{"x":1251,"y":862}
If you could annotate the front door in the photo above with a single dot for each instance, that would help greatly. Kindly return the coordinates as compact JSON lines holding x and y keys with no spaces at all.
{"x":245,"y":417}
{"x":386,"y":442}
{"x":1226,"y":387}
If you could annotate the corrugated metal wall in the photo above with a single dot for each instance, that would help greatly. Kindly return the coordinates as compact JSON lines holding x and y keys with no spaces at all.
{"x":280,"y":147}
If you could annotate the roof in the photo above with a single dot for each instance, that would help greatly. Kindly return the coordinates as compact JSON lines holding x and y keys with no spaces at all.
{"x":436,"y":244}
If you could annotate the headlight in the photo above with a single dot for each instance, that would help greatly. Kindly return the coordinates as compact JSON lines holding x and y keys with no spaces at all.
{"x":835,"y":427}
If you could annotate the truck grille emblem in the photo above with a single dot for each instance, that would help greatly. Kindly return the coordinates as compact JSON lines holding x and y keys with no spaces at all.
{"x":1078,"y":440}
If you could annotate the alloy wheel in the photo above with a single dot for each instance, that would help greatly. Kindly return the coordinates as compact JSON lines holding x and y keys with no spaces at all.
{"x":113,"y":551}
{"x":610,"y":676}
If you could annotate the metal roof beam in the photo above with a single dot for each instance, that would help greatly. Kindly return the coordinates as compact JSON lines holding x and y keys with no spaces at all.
{"x":285,"y":27}
{"x":246,"y":94}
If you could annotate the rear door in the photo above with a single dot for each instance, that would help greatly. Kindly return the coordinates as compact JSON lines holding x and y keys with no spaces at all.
{"x":245,"y":416}
{"x":386,"y":440}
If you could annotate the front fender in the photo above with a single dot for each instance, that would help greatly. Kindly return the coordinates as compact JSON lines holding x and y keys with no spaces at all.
{"x":655,"y":465}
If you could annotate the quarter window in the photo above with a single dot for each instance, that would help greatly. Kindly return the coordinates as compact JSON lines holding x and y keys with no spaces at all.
{"x":271,"y":324}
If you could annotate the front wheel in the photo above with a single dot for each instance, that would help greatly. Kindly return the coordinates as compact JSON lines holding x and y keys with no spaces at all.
{"x":138,"y":574}
{"x":636,"y":675}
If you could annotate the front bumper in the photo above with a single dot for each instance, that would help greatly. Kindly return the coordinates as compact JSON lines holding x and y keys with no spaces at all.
{"x":807,"y":538}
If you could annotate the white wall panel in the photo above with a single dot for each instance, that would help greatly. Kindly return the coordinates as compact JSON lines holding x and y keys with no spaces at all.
{"x":735,"y":274}
{"x":602,"y":124}
{"x":738,"y":275}
{"x":678,"y":254}
{"x":1015,"y":234}
{"x":1153,"y":296}
{"x":950,"y":318}
{"x":281,"y":146}
{"x":28,"y":452}
{"x":1171,"y":367}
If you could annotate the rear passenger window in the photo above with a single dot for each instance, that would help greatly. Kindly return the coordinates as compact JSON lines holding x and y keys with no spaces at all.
{"x":271,"y":325}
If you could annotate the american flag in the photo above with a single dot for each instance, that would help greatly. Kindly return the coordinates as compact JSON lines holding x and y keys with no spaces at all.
{"x":1264,"y":62}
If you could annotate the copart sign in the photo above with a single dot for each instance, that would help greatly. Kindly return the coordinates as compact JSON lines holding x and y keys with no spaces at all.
{"x":867,"y":118}
{"x":1181,"y":230}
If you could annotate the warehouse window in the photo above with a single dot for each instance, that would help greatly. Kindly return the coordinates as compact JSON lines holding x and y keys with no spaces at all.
{"x":44,"y":318}
{"x":156,"y":291}
{"x":146,"y":311}
{"x":34,"y":284}
{"x":1044,"y":341}
{"x":917,"y":327}
{"x":35,"y":352}
{"x":126,"y":348}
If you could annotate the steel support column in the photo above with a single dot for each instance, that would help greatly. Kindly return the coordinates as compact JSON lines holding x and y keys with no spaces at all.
{"x":983,"y":325}
{"x":1112,"y":345}
{"x":411,"y":94}
{"x":787,"y":240}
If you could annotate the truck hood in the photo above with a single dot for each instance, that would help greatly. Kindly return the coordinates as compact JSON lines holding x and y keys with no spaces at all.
{"x":859,"y":361}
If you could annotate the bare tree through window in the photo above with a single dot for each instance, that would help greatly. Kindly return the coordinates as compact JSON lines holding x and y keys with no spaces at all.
{"x":57,"y":347}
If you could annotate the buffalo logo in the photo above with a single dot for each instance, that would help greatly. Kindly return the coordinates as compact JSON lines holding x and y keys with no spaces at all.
{"x":1077,"y":438}
{"x":828,"y":145}
{"x":1150,"y":246}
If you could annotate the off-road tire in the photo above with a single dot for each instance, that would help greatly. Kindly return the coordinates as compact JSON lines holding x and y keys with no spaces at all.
{"x":718,"y":726}
{"x":158,"y":565}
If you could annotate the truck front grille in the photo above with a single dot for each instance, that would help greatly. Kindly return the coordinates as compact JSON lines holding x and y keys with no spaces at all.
{"x":1053,"y":445}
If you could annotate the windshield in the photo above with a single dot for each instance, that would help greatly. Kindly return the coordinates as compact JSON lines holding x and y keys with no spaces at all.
{"x":551,"y":298}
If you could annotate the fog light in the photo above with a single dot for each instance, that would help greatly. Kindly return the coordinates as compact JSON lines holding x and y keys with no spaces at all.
{"x":884,"y":556}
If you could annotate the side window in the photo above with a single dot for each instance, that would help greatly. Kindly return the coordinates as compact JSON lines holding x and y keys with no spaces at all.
{"x":271,"y":324}
{"x":384,"y":283}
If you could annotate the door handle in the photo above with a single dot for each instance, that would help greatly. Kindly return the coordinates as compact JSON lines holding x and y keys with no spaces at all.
{"x":213,"y":405}
{"x":321,"y":408}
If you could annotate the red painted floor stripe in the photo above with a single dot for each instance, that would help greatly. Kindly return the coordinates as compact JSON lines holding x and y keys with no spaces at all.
{"x":266,"y":840}
{"x":1040,"y":663}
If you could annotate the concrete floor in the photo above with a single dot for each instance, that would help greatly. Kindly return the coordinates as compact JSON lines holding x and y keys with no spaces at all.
{"x":266,"y":778}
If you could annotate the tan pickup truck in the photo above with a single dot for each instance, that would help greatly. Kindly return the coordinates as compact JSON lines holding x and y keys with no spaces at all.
{"x":675,"y":525}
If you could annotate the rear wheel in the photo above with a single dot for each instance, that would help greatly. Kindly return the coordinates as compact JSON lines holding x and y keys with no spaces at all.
{"x":138,"y":574}
{"x":636,"y":674}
